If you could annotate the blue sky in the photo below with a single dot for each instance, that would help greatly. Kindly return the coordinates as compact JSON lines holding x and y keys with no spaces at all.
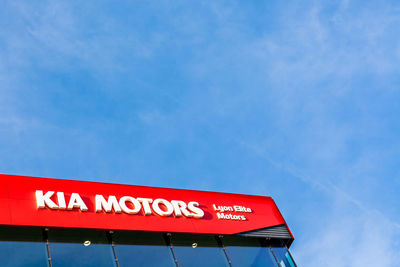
{"x":298,"y":100}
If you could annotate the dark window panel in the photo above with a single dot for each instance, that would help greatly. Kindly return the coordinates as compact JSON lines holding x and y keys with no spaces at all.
{"x":248,"y":252}
{"x":17,"y":253}
{"x":283,"y":256}
{"x":17,"y":233}
{"x":193,"y":251}
{"x":21,"y":246}
{"x":72,"y":248}
{"x":142,"y":249}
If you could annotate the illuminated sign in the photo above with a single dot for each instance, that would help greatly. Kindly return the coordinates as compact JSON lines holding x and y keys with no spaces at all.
{"x":225,"y":212}
{"x":45,"y":202}
{"x":126,"y":204}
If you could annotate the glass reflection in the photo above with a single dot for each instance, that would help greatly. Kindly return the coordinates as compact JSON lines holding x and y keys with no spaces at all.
{"x":67,"y":248}
{"x":199,"y":251}
{"x":142,"y":249}
{"x":248,"y":252}
{"x":283,"y":256}
{"x":22,"y":246}
{"x":23,"y":254}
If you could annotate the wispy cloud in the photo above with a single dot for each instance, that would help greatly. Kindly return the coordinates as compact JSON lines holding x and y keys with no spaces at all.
{"x":298,"y":100}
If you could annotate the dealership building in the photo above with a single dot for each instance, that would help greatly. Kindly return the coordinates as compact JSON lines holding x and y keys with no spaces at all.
{"x":54,"y":222}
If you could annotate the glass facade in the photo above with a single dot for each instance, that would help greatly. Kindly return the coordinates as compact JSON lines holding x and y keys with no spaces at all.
{"x":142,"y":249}
{"x":14,"y":253}
{"x":249,"y":252}
{"x":193,"y":251}
{"x":67,"y":247}
{"x":22,"y":247}
{"x":284,"y":257}
{"x":79,"y":248}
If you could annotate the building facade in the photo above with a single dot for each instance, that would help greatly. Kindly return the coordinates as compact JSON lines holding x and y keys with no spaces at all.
{"x":53,"y":222}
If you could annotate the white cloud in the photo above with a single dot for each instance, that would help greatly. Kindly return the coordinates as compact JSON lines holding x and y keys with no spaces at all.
{"x":297,"y":76}
{"x":351,"y":238}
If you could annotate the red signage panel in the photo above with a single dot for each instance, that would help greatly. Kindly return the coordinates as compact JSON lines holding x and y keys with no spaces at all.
{"x":31,"y":201}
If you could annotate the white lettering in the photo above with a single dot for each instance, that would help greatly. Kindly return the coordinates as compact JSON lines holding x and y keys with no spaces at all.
{"x":241,"y":209}
{"x":146,"y":204}
{"x":76,"y":202}
{"x":229,"y":216}
{"x":180,"y":208}
{"x":126,"y":209}
{"x":126,"y":204}
{"x":108,"y":205}
{"x":222,"y":208}
{"x":159,"y":211}
{"x":61,"y":201}
{"x":197,"y":212}
{"x":44,"y":200}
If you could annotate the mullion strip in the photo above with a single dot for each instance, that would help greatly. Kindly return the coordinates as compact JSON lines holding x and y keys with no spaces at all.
{"x":273,"y":253}
{"x":167,"y":238}
{"x":45,"y":237}
{"x":290,"y":254}
{"x":109,"y":237}
{"x":219,"y":241}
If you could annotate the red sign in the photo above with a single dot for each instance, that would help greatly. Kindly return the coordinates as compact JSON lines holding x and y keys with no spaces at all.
{"x":31,"y":201}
